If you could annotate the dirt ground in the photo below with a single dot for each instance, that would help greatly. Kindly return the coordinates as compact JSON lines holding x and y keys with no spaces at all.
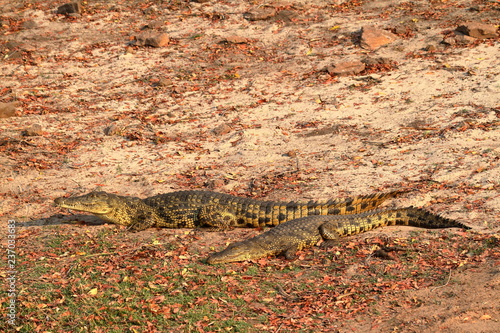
{"x":241,"y":100}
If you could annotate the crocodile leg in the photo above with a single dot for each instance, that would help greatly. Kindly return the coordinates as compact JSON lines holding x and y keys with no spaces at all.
{"x":330,"y":234}
{"x":291,"y":252}
{"x":217,"y":218}
{"x":142,"y":222}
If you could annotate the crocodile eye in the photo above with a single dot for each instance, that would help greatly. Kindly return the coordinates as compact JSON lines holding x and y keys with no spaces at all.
{"x":98,"y":195}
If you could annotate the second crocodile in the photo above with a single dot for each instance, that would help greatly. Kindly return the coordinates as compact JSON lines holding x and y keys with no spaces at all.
{"x":293,"y":236}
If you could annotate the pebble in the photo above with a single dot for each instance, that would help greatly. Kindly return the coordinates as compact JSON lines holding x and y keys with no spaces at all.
{"x":371,"y":61}
{"x":8,"y":109}
{"x":260,"y":14}
{"x":112,"y":130}
{"x":478,"y":30}
{"x":153,"y":25}
{"x":464,"y":39}
{"x":70,"y":8}
{"x":373,"y":38}
{"x":30,"y":24}
{"x":152,"y":39}
{"x":164,"y":82}
{"x":34,"y":130}
{"x":233,"y":40}
{"x":346,"y":67}
{"x":222,"y":129}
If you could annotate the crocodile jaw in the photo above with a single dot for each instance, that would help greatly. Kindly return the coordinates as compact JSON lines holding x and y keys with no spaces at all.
{"x":94,"y":202}
{"x":238,"y":252}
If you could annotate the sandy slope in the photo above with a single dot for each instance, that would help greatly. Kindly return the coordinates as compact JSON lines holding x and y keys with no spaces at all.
{"x":257,"y":119}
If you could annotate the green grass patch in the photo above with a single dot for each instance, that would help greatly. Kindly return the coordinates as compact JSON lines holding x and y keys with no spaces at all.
{"x":81,"y":282}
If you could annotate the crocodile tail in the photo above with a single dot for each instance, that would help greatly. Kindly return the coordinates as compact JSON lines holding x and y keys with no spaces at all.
{"x":417,"y":217}
{"x":360,"y":204}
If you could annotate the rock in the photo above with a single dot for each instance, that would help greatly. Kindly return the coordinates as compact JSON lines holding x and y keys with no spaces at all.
{"x":372,"y":38}
{"x":164,"y":82}
{"x":14,"y":55}
{"x":152,"y":39}
{"x":70,"y":8}
{"x":464,"y":39}
{"x":406,"y":28}
{"x":222,"y":129}
{"x":34,"y":130}
{"x":346,"y":67}
{"x":372,"y":61}
{"x":478,"y":30}
{"x":286,"y":16}
{"x":153,"y":25}
{"x":112,"y":130}
{"x":430,"y":48}
{"x":30,"y":24}
{"x":233,"y":40}
{"x":8,"y":109}
{"x":260,"y":14}
{"x":449,"y":41}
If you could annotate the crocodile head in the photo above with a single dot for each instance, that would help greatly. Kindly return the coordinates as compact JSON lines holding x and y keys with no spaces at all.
{"x":108,"y":206}
{"x":239,"y":251}
{"x":94,"y":202}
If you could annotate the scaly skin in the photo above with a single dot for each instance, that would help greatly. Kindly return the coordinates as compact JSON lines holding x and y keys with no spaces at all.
{"x":192,"y":209}
{"x":295,"y":235}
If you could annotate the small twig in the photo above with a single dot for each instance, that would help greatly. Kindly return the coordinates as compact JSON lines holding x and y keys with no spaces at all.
{"x":444,"y":285}
{"x":282,"y":292}
{"x":285,"y":295}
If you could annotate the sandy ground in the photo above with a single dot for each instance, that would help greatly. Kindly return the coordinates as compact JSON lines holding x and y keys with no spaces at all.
{"x":261,"y":118}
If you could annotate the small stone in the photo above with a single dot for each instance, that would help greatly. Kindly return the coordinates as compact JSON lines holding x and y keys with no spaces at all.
{"x":8,"y":109}
{"x":431,"y":48}
{"x":151,"y":39}
{"x":478,"y":30}
{"x":234,"y":40}
{"x":406,"y":28}
{"x":464,"y":39}
{"x":14,"y":55}
{"x":372,"y":38}
{"x":34,"y":130}
{"x":70,"y":8}
{"x":222,"y":129}
{"x":291,"y":153}
{"x":372,"y":61}
{"x":347,"y":67}
{"x":112,"y":130}
{"x":164,"y":82}
{"x":286,"y":16}
{"x":153,"y":25}
{"x":449,"y":41}
{"x":260,"y":14}
{"x":30,"y":24}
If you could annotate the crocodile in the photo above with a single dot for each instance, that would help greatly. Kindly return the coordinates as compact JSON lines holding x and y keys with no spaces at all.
{"x":297,"y":234}
{"x":217,"y":211}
